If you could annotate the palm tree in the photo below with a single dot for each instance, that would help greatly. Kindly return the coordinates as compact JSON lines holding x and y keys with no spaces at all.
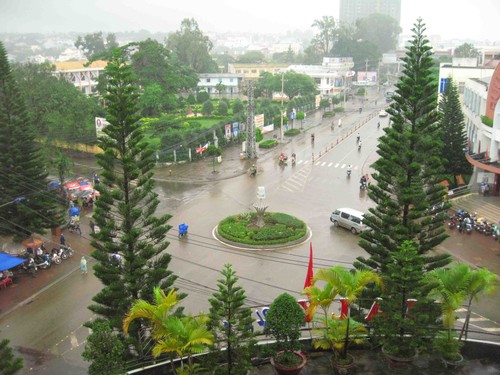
{"x":450,"y":285}
{"x":450,"y":291}
{"x":186,"y":336}
{"x":347,"y":283}
{"x":173,"y":334}
{"x":481,"y":281}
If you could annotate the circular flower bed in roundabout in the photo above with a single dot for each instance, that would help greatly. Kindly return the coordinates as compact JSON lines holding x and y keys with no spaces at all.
{"x":267,"y":231}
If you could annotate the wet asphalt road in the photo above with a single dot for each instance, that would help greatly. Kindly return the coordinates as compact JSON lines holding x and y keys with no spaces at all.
{"x":50,"y":328}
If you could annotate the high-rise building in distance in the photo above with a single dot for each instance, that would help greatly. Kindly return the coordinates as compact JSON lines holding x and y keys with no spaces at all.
{"x":351,"y":10}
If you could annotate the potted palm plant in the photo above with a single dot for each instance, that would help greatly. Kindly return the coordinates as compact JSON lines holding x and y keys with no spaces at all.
{"x":450,"y":288}
{"x":284,"y":319}
{"x":338,"y":333}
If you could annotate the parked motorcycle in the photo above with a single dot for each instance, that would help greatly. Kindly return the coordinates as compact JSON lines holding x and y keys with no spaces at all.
{"x":54,"y":257}
{"x":41,"y":263}
{"x":28,"y":266}
{"x":67,"y":252}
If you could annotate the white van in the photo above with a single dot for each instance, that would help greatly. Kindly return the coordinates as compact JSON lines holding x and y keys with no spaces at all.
{"x":348,"y":218}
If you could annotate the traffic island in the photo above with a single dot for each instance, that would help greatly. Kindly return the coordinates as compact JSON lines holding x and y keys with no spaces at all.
{"x":262,"y":231}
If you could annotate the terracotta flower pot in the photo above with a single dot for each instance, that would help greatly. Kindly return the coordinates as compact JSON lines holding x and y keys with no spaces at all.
{"x":399,"y":363}
{"x":290,"y":370}
{"x":343,"y":368}
{"x":453,"y":363}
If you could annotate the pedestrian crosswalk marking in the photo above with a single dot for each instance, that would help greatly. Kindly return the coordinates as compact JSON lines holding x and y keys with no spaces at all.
{"x":336,"y":165}
{"x":323,"y":164}
{"x":330,"y":164}
{"x":318,"y":163}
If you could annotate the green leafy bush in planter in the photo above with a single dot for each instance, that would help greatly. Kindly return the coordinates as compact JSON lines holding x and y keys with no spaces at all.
{"x":269,"y":143}
{"x":338,"y":109}
{"x":279,"y":228}
{"x":292,"y":132}
{"x":329,"y":114}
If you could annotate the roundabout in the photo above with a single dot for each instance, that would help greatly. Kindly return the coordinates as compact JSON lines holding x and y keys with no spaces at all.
{"x":262,"y":231}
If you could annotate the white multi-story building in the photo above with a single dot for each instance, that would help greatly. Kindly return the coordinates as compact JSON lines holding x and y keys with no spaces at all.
{"x":224,"y":85}
{"x":330,"y":76}
{"x":481,"y":109}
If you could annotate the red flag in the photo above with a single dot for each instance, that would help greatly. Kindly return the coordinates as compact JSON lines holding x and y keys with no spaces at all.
{"x":310,"y":273}
{"x":308,"y":282}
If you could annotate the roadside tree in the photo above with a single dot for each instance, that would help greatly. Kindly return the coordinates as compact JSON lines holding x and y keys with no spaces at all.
{"x":466,"y":50}
{"x":408,"y":170}
{"x":192,"y":47}
{"x":230,"y":321}
{"x":125,"y":212}
{"x":23,"y":176}
{"x":453,"y":134}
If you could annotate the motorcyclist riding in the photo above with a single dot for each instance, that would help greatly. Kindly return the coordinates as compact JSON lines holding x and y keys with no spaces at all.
{"x":282,"y":158}
{"x":294,"y":158}
{"x":362,"y":182}
{"x":252,"y":170}
{"x":359,"y":146}
{"x":312,"y":138}
{"x":349,"y":170}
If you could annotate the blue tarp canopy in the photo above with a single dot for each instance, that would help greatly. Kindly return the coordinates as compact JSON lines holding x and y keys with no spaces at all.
{"x":8,"y":261}
{"x":74,"y":211}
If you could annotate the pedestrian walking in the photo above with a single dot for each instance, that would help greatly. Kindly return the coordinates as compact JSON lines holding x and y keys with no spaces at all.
{"x":96,"y":178}
{"x":92,"y":227}
{"x":83,"y":265}
{"x":62,"y":240}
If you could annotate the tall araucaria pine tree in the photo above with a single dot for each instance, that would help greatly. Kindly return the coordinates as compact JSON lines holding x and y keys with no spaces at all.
{"x":125,"y":211}
{"x":26,"y":205}
{"x":409,"y":168}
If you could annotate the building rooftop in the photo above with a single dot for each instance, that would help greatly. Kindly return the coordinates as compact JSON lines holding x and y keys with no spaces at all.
{"x":79,"y":65}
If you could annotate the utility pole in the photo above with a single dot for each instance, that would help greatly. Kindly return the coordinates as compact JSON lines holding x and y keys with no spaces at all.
{"x":281,"y":111}
{"x":366,"y":78}
{"x":251,"y":149}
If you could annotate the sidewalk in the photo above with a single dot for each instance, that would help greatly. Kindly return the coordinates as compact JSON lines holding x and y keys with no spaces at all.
{"x":26,"y":288}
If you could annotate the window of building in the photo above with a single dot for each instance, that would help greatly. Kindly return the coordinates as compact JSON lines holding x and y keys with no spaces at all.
{"x":208,"y":80}
{"x":254,"y":70}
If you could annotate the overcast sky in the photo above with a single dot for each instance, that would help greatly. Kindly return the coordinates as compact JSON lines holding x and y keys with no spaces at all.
{"x":460,"y":19}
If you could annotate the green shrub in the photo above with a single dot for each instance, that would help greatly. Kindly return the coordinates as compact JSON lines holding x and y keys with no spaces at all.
{"x":292,"y":132}
{"x":329,"y":114}
{"x":269,"y":143}
{"x":279,"y":228}
{"x":338,"y":109}
{"x":487,"y":121}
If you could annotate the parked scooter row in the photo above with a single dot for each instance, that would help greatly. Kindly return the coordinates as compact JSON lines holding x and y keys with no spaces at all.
{"x":466,"y":223}
{"x":41,"y":258}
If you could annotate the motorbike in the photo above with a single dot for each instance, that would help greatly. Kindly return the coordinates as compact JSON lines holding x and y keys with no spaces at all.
{"x":74,"y":226}
{"x":359,"y":146}
{"x":348,"y":173}
{"x":252,"y":171}
{"x":363,"y":185}
{"x":67,"y":251}
{"x":283,"y":159}
{"x":183,"y":230}
{"x":54,"y":257}
{"x":29,"y":266}
{"x":41,"y":263}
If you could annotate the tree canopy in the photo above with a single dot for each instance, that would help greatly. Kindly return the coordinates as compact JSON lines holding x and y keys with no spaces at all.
{"x":26,"y":206}
{"x":192,"y":47}
{"x":326,"y":36}
{"x":409,"y":168}
{"x":95,"y":46}
{"x":466,"y":50}
{"x":125,"y":212}
{"x":379,"y":29}
{"x":453,"y":134}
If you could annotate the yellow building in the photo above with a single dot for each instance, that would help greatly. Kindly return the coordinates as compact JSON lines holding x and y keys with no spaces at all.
{"x":83,"y":77}
{"x":254,"y":70}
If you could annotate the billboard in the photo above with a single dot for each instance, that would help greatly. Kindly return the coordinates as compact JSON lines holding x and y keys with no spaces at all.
{"x":100,"y":124}
{"x":259,"y":121}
